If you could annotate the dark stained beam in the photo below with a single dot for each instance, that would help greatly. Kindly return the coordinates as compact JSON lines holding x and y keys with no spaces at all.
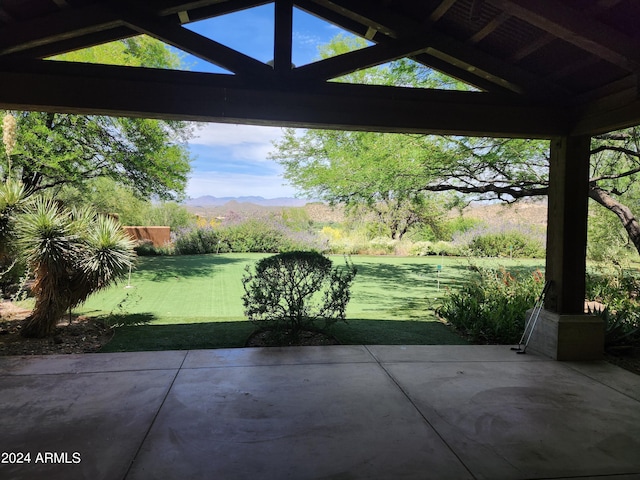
{"x":459,"y":73}
{"x":212,"y":10}
{"x":606,"y":118}
{"x":357,"y":60}
{"x":489,"y":28}
{"x":194,"y":43}
{"x":71,"y":88}
{"x":576,"y":28}
{"x":77,"y":43}
{"x":440,"y":10}
{"x":217,"y":7}
{"x":60,"y":26}
{"x":283,"y":33}
{"x":448,"y":49}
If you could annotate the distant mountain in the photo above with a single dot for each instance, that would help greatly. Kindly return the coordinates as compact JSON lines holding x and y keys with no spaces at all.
{"x":210,"y":201}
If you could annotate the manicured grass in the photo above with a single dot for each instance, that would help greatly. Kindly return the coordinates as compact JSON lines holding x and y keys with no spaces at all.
{"x":189,"y":302}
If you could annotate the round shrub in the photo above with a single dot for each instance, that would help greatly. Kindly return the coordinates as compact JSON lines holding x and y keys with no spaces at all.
{"x":296,"y":291}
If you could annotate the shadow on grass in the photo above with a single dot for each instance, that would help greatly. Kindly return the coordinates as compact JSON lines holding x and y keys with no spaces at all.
{"x":209,"y":335}
{"x":390,"y":276}
{"x":181,"y":266}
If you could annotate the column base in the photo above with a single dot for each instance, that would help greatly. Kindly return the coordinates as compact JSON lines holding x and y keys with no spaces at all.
{"x":568,"y":337}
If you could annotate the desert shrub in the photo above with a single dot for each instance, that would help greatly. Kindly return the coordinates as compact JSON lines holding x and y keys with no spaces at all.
{"x":422,"y":249}
{"x":491,"y":307}
{"x":619,"y":291}
{"x":508,"y":244}
{"x":146,"y":248}
{"x":255,"y":236}
{"x":296,"y":291}
{"x":199,"y":241}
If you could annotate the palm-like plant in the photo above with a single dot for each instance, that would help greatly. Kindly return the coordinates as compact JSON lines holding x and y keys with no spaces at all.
{"x":72,"y":254}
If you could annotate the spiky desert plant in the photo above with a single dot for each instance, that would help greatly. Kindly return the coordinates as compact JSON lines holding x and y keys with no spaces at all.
{"x":12,"y":199}
{"x":9,"y":136}
{"x":72,"y":255}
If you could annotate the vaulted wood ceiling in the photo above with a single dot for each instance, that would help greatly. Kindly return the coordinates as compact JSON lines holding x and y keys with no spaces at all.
{"x":542,"y":67}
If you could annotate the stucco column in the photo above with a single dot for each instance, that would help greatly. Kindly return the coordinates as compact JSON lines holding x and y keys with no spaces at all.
{"x":563,"y":331}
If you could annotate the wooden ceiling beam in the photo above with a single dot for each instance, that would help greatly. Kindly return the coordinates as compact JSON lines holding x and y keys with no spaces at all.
{"x":195,"y":44}
{"x":170,"y":94}
{"x":212,"y":9}
{"x":489,"y":28}
{"x":60,"y":26}
{"x":357,"y":60}
{"x":448,"y":49}
{"x":576,"y":28}
{"x":440,"y":10}
{"x":77,"y":43}
{"x":283,"y":34}
{"x":428,"y":60}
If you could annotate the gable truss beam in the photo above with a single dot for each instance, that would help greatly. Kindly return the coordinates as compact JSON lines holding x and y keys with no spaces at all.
{"x":180,"y":95}
{"x":448,"y":49}
{"x":357,"y":60}
{"x":166,"y":30}
{"x":459,"y":72}
{"x":576,"y":28}
{"x":63,"y":25}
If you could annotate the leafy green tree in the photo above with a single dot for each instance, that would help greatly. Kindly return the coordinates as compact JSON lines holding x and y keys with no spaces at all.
{"x":72,"y":253}
{"x":148,"y":156}
{"x":109,"y":197}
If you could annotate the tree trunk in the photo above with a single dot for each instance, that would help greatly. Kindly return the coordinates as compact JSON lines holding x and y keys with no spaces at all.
{"x":42,"y":322}
{"x":623,"y":212}
{"x":51,"y":304}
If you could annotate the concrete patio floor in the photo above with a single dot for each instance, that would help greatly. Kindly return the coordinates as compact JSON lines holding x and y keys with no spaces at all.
{"x":340,"y":412}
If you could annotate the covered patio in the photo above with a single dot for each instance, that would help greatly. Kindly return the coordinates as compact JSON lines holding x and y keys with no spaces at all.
{"x":562,"y":70}
{"x":341,"y":412}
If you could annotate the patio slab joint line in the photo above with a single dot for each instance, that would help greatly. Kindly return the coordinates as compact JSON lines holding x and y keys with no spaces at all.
{"x":155,"y":417}
{"x":406,"y":395}
{"x":607,"y":385}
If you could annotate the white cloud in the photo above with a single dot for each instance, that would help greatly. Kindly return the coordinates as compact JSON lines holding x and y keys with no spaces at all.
{"x":222,"y":134}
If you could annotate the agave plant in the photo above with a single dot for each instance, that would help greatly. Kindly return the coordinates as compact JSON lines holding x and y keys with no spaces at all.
{"x":72,"y":255}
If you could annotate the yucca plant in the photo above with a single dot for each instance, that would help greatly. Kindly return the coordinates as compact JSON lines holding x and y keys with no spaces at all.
{"x":12,"y":199}
{"x":72,"y":254}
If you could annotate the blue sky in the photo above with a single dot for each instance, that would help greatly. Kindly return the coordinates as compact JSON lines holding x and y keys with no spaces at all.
{"x":231,"y":160}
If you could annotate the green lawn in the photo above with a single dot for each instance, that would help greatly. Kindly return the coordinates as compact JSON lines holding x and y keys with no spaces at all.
{"x":195,"y":301}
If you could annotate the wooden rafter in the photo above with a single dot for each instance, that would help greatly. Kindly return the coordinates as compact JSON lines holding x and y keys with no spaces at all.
{"x":440,"y":10}
{"x":448,"y":49}
{"x":489,"y":28}
{"x":59,"y":26}
{"x":576,"y":28}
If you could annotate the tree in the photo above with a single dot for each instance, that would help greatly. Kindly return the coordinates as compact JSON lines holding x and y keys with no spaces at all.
{"x":366,"y":168}
{"x":148,"y":156}
{"x":72,"y":253}
{"x":109,"y":197}
{"x":370,"y":173}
